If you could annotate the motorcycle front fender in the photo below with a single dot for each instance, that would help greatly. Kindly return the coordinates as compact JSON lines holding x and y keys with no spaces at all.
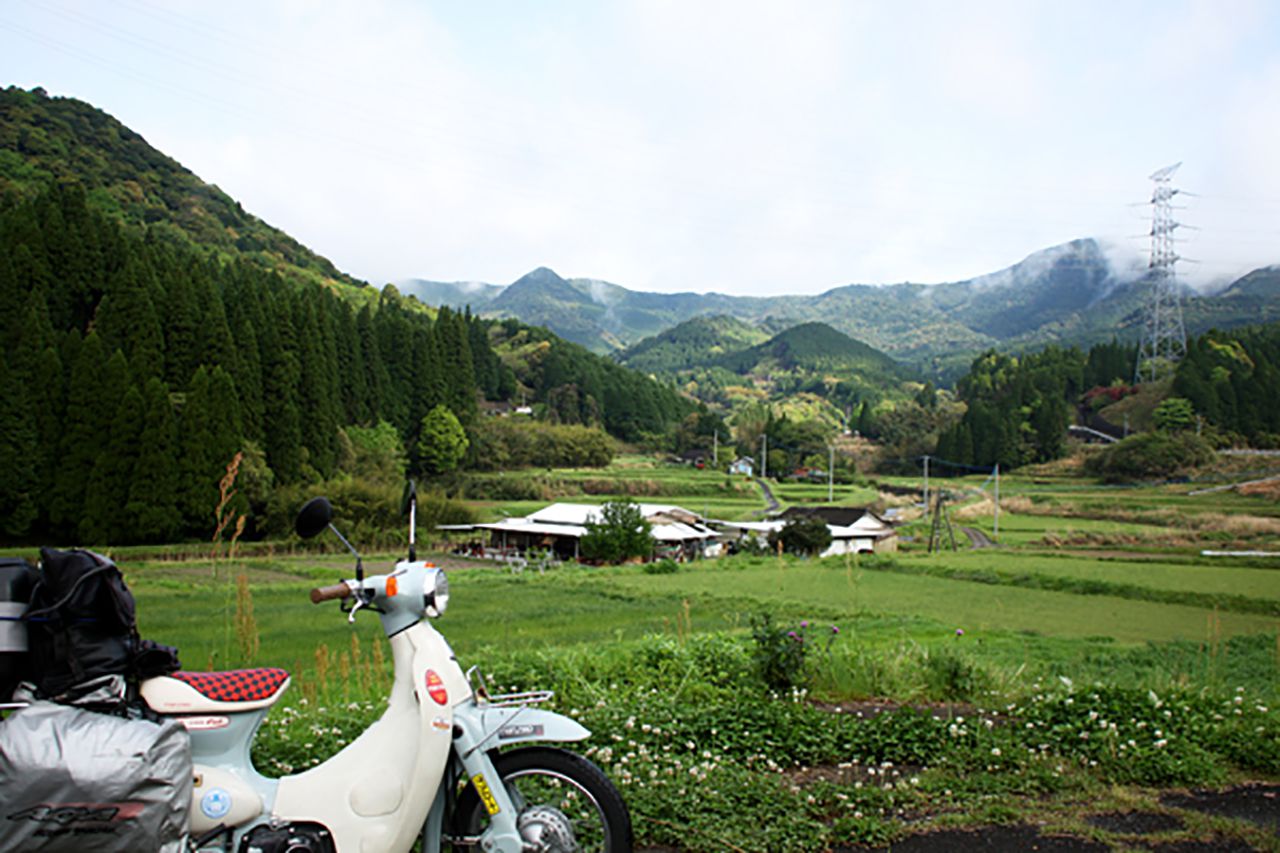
{"x":501,"y":727}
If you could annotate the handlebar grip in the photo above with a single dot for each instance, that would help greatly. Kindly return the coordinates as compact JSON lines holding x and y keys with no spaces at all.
{"x":328,"y":593}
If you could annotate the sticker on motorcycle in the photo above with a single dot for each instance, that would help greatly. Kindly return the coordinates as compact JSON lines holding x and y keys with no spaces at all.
{"x":436,"y":689}
{"x":202,"y":724}
{"x":216,"y":804}
{"x":440,"y":724}
{"x":511,"y":732}
{"x":486,"y":796}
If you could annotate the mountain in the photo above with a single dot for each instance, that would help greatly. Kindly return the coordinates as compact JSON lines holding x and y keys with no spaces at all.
{"x":815,"y":348}
{"x":1254,"y":298}
{"x":1046,"y":292}
{"x":693,"y":343}
{"x":599,"y":315}
{"x":1070,"y":294}
{"x":46,"y":140}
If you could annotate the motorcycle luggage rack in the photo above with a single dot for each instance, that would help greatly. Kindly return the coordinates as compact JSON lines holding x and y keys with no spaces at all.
{"x":480,"y":688}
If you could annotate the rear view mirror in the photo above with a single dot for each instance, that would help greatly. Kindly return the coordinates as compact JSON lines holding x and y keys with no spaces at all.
{"x":314,"y":517}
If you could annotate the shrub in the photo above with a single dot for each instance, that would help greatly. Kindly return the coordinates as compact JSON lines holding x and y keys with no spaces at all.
{"x":1149,"y":455}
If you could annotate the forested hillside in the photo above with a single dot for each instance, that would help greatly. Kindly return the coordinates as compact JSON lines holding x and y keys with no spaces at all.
{"x":579,"y":387}
{"x":697,"y":342}
{"x":1231,"y":380}
{"x":1019,"y":407}
{"x":46,"y":140}
{"x":136,"y":368}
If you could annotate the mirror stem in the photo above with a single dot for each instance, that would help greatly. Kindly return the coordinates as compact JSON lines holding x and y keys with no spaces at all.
{"x":354,"y":552}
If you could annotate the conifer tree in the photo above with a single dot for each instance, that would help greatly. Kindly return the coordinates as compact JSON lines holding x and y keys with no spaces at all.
{"x":281,"y":374}
{"x":376,"y":376}
{"x":152,"y":508}
{"x":127,"y":319}
{"x":248,"y":379}
{"x":182,"y":353}
{"x":352,"y":375}
{"x":105,"y":520}
{"x":454,"y":346}
{"x":395,"y":342}
{"x":215,"y":343}
{"x":19,"y":506}
{"x":83,"y":434}
{"x":318,"y":383}
{"x":195,"y":493}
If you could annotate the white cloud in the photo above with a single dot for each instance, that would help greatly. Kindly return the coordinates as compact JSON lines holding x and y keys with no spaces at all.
{"x":754,"y":147}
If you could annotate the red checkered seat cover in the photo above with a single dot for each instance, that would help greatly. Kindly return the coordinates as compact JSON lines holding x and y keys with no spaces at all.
{"x":236,"y":685}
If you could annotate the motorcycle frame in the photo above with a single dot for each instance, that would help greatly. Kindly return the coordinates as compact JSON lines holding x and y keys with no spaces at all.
{"x":393,"y":783}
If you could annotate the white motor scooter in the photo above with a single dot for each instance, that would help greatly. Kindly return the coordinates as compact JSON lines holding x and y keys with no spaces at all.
{"x":434,"y":768}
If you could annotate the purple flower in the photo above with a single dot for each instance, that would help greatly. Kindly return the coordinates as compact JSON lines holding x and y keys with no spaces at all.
{"x":959,"y":632}
{"x":835,"y":630}
{"x":793,"y":635}
{"x":804,"y":624}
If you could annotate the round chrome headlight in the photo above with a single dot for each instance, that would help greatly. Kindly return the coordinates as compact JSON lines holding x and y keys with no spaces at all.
{"x":436,"y":595}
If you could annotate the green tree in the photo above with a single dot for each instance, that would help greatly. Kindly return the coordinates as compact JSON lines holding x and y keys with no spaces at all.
{"x":1174,"y":414}
{"x":153,"y":492}
{"x":18,"y":459}
{"x":620,"y":534}
{"x":442,"y":442}
{"x":104,"y":520}
{"x":83,"y":436}
{"x":808,"y":536}
{"x":866,"y":426}
{"x":377,"y":453}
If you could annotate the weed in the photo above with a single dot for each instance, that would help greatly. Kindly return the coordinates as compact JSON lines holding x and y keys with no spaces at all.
{"x":246,"y":626}
{"x":661,"y":567}
{"x":950,"y":675}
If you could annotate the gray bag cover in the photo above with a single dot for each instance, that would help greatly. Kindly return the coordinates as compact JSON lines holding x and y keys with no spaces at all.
{"x":76,"y":780}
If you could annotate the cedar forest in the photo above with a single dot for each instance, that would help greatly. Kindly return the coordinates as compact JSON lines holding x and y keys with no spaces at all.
{"x":136,"y":368}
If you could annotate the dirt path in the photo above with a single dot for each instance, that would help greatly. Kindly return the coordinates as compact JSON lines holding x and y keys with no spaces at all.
{"x":977,"y":538}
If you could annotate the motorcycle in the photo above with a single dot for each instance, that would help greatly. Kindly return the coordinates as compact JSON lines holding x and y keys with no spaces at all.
{"x":448,"y":765}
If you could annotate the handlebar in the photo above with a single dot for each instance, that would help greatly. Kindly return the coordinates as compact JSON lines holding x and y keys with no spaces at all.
{"x":328,"y":593}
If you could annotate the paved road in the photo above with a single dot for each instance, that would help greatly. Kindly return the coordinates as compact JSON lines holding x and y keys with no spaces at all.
{"x":771,"y":503}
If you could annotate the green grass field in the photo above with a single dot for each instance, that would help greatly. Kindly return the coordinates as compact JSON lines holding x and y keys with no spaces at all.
{"x":1113,"y":624}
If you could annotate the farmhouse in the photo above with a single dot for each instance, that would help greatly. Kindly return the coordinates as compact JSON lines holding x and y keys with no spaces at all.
{"x":678,"y":533}
{"x":853,"y":529}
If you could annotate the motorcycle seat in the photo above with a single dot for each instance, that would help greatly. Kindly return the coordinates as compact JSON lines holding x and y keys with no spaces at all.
{"x":233,"y":691}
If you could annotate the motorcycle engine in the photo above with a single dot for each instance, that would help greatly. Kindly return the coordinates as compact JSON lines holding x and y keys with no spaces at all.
{"x":288,"y":838}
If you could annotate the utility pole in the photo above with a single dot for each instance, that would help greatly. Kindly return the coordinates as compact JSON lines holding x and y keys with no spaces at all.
{"x":1164,"y":339}
{"x":831,"y":473}
{"x":926,"y":483}
{"x":996,"y":530}
{"x":764,"y":455}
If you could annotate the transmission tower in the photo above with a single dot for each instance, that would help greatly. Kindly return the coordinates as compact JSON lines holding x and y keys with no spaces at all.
{"x":1164,"y":339}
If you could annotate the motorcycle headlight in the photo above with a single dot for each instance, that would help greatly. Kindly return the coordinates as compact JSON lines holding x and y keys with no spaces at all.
{"x":436,"y":596}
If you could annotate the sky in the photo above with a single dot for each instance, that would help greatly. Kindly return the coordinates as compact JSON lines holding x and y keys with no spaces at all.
{"x":677,"y":145}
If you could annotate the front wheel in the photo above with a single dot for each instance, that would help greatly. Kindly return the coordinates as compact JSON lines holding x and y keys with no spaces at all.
{"x":566,"y":804}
